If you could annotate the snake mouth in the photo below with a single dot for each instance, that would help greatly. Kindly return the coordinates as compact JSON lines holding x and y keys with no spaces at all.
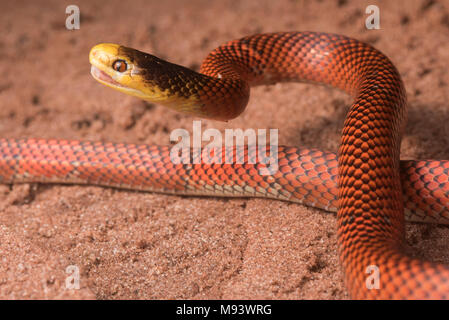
{"x":104,"y":77}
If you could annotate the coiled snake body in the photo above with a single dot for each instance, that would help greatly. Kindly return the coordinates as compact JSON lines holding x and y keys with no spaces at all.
{"x":373,"y":187}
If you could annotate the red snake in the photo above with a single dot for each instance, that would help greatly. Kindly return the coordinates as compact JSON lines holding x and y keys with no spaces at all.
{"x":374,"y":186}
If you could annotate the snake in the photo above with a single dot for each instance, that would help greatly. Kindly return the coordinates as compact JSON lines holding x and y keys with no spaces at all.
{"x":371,"y":190}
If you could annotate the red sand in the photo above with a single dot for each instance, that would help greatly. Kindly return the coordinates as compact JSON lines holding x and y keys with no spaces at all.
{"x":151,"y":246}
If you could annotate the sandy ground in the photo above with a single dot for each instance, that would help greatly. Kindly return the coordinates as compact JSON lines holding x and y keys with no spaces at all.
{"x":133,"y":245}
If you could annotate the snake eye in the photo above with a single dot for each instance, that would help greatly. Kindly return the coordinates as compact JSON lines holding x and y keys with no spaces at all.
{"x":120,"y":65}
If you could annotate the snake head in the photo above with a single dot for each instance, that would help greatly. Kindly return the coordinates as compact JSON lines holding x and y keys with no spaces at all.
{"x":152,"y":79}
{"x":114,"y":69}
{"x":145,"y":76}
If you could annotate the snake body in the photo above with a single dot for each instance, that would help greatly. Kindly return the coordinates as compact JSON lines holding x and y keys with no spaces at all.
{"x":366,"y":183}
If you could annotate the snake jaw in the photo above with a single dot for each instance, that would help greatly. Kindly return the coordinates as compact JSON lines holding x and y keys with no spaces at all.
{"x":108,"y":81}
{"x":103,"y":77}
